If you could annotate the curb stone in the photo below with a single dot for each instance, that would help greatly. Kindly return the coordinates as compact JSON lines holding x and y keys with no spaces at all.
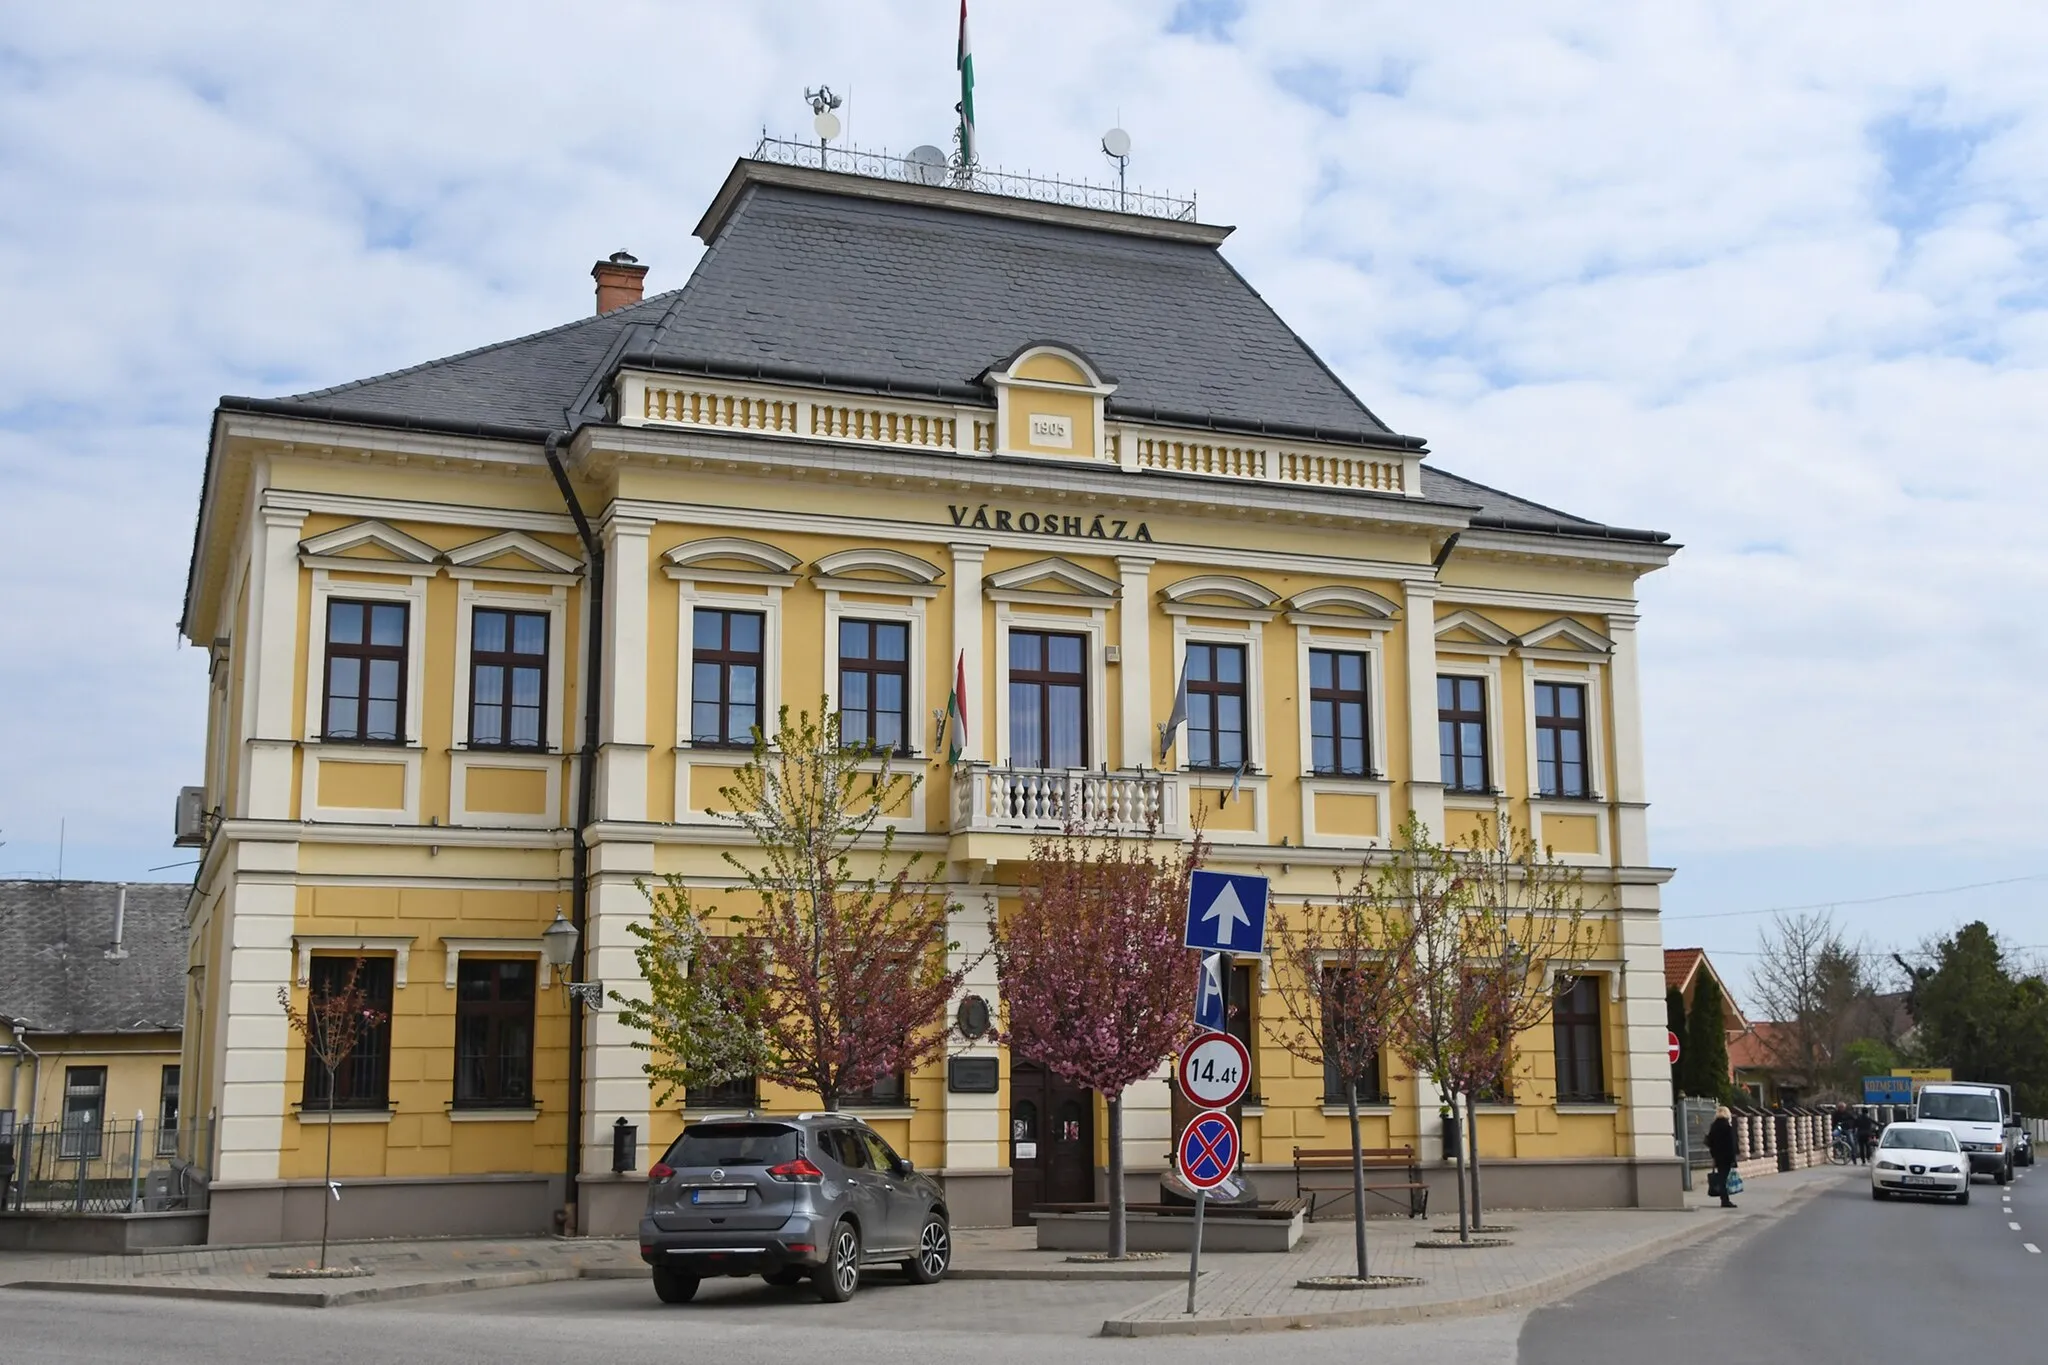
{"x":1529,"y":1294}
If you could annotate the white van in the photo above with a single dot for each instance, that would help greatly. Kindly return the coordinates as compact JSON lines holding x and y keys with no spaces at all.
{"x":1977,"y":1115}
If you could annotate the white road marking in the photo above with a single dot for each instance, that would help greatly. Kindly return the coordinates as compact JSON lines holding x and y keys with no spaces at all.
{"x":2031,"y":1247}
{"x":2014,"y":1226}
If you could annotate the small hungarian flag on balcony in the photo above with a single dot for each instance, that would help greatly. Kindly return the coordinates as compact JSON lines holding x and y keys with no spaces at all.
{"x":956,"y":712}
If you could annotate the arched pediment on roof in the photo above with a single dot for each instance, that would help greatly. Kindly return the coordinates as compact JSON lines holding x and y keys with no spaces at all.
{"x":1051,"y":580}
{"x":1342,"y":600}
{"x":369,"y":545}
{"x":1219,"y":594}
{"x":1566,"y":636}
{"x":731,"y":559}
{"x":1470,"y":632}
{"x":878,"y":563}
{"x":1049,"y":400}
{"x":513,"y":554}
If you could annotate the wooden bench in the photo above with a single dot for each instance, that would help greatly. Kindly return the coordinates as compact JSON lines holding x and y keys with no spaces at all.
{"x":1320,"y":1171}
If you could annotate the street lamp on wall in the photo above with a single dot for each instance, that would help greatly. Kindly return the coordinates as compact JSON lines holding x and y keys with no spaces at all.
{"x":558,"y":950}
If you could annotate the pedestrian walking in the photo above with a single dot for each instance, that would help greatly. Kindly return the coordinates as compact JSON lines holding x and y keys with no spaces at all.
{"x":1866,"y":1135}
{"x":1721,"y":1147}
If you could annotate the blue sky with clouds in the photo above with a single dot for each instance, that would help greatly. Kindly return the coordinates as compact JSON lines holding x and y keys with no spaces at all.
{"x":1767,"y":280}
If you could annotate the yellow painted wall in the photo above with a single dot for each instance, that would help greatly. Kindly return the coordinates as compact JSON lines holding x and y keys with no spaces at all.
{"x":363,"y":786}
{"x":507,"y":791}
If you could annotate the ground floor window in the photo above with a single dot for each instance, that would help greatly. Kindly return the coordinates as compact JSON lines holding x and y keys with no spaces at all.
{"x":494,"y":1033}
{"x":1575,"y":1024}
{"x":85,"y":1112}
{"x":167,"y":1113}
{"x":363,"y":1080}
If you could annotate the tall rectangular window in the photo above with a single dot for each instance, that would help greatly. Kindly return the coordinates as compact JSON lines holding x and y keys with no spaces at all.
{"x":494,"y":1033}
{"x":874,"y":684}
{"x":365,"y":689}
{"x":1560,"y":739}
{"x":167,"y":1112}
{"x":1335,"y":1083}
{"x":508,"y":668}
{"x":1575,"y":1024}
{"x":1336,"y":722}
{"x":1461,"y":731}
{"x":363,"y":1080}
{"x":1048,"y":699}
{"x":1216,"y":708}
{"x":725,"y":676}
{"x":85,"y":1112}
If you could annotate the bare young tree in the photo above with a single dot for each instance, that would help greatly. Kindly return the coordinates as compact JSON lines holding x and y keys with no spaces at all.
{"x":1819,"y":989}
{"x":332,"y":1023}
{"x":1341,"y":974}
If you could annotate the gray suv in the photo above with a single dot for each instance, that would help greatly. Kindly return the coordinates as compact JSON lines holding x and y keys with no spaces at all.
{"x":815,"y":1197}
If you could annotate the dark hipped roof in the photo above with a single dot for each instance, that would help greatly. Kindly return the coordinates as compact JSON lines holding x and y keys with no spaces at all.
{"x":54,"y":968}
{"x":864,"y":290}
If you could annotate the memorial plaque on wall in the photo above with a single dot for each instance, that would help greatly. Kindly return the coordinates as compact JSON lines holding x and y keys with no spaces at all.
{"x":972,"y":1075}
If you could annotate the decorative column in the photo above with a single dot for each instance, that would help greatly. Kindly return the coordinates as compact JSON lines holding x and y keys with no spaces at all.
{"x":966,"y":640}
{"x":272,"y":649}
{"x":1134,"y":642}
{"x":622,"y":733}
{"x":1631,"y":798}
{"x":976,"y":1169}
{"x":1425,"y":773}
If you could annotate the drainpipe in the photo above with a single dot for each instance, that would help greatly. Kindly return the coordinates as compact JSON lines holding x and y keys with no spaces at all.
{"x":35,"y":1080}
{"x":586,"y":790}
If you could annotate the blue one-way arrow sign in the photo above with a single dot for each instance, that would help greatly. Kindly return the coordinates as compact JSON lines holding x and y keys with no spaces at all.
{"x":1226,"y":913}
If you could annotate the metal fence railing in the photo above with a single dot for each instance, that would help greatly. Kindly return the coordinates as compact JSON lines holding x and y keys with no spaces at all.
{"x":133,"y":1167}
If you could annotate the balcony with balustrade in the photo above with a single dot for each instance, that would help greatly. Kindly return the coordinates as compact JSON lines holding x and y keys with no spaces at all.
{"x":995,"y":800}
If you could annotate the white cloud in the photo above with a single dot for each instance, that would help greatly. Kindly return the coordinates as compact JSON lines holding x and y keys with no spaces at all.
{"x":1768,"y":280}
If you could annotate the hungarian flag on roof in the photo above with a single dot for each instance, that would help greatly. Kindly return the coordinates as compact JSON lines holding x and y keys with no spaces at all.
{"x":965,"y":62}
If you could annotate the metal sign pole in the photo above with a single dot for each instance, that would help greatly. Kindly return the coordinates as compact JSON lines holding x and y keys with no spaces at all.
{"x":1195,"y":1248}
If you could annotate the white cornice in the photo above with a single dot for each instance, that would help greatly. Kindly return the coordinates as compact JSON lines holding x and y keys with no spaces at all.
{"x":400,"y":509}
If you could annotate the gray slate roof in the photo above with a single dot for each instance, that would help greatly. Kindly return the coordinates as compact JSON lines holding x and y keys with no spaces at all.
{"x":845,"y":291}
{"x":54,"y":968}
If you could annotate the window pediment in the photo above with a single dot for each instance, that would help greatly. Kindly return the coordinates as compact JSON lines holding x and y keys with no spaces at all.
{"x":731,"y":559}
{"x":879,"y":564}
{"x":1054,"y":577}
{"x":1566,"y":636}
{"x":1469,"y":631}
{"x":515,"y":554}
{"x":370,"y":543}
{"x":1340,"y":600}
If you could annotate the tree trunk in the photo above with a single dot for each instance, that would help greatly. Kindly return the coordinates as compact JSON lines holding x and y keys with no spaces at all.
{"x":1458,"y":1160}
{"x":327,"y":1180}
{"x":1357,"y":1177}
{"x":1115,"y":1104}
{"x":1472,"y":1136}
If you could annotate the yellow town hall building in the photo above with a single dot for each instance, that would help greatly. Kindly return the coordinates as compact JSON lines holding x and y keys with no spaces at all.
{"x":888,"y":431}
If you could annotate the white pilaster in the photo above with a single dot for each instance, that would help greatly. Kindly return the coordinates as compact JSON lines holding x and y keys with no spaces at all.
{"x":622,"y":734}
{"x":1134,"y":642}
{"x":272,"y":652}
{"x":1646,"y":1091}
{"x":257,"y":938}
{"x":1631,"y":796}
{"x":966,"y":642}
{"x":974,"y":1123}
{"x":1425,"y":772}
{"x":614,"y":1085}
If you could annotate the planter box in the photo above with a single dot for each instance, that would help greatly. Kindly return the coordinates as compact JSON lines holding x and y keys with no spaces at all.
{"x":1167,"y":1232}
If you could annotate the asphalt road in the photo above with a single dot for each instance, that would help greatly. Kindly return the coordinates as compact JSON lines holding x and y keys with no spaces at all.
{"x":1842,"y":1279}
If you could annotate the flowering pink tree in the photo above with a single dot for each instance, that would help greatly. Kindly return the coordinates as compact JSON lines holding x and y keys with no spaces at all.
{"x":1096,"y":985}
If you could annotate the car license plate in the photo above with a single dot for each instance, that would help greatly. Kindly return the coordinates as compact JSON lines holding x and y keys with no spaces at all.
{"x":718,"y":1196}
{"x":1921,"y":1180}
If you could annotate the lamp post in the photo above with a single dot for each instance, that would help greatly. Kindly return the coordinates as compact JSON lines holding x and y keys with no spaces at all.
{"x":558,"y":950}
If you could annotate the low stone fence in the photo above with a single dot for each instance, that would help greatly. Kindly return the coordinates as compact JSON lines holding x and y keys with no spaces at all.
{"x":1780,"y":1140}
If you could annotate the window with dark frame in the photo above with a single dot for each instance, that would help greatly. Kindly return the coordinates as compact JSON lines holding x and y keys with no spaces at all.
{"x":1461,"y":730}
{"x":1575,"y":1025}
{"x":725,"y":676}
{"x":1371,"y":1089}
{"x":874,"y":684}
{"x":1216,"y":705}
{"x":167,"y":1112}
{"x":364,"y":697}
{"x":886,"y":1092}
{"x":1240,"y":1016}
{"x":363,"y":1080}
{"x":1560,"y":739}
{"x":85,"y":1113}
{"x":741,"y":1092}
{"x":1048,"y":699}
{"x":1337,"y":714}
{"x":494,"y":1033}
{"x":508,"y":670}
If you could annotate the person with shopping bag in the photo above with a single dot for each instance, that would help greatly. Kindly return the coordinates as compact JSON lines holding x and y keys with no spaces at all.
{"x":1721,"y":1147}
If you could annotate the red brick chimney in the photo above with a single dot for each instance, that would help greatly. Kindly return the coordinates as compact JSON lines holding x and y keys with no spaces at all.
{"x":620,"y":279}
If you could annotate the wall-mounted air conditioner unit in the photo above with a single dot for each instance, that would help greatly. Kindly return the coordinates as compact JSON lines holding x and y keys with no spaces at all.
{"x":191,"y":817}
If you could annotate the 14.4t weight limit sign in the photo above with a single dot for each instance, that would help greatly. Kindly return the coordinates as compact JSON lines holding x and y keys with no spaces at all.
{"x":1215,"y":1071}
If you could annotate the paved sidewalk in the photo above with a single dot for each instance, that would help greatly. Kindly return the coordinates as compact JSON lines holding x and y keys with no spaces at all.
{"x":1552,"y":1252}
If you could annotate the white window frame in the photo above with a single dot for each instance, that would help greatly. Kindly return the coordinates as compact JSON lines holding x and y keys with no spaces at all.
{"x":548,"y":759}
{"x":692,"y":592}
{"x":1457,"y":664}
{"x":1095,"y":626}
{"x":910,"y":610}
{"x":412,"y":591}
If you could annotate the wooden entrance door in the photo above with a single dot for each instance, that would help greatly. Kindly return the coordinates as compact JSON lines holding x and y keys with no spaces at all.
{"x":1052,"y":1142}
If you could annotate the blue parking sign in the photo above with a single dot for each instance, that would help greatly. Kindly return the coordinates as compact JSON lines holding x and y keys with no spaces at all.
{"x":1226,"y":913}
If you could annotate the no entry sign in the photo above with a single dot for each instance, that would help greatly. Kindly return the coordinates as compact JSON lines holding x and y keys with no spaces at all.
{"x":1215,"y":1071}
{"x":1208,"y":1150}
{"x":1671,"y":1042}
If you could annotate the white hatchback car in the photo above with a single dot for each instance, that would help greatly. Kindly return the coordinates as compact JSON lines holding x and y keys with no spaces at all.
{"x":1919,"y":1158}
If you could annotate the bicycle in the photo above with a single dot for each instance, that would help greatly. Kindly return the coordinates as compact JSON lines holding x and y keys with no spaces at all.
{"x":1844,"y":1150}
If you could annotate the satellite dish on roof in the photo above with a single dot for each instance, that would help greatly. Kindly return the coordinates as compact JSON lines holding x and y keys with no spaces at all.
{"x":926,"y":165}
{"x":1117,"y":143}
{"x":827,"y":124}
